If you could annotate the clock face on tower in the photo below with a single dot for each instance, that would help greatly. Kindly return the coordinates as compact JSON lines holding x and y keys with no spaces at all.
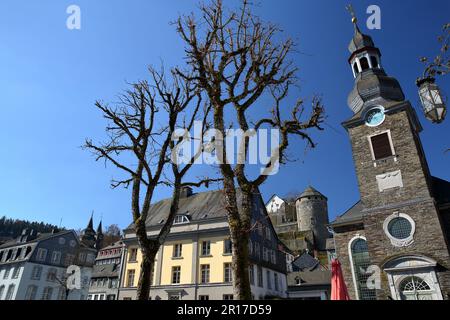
{"x":375,"y":117}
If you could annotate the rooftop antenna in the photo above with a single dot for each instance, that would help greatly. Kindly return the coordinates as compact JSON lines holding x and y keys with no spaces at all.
{"x":60,"y":223}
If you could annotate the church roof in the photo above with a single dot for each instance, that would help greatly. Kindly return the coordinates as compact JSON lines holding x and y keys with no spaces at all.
{"x":360,"y":41}
{"x":354,"y":214}
{"x":440,"y":191}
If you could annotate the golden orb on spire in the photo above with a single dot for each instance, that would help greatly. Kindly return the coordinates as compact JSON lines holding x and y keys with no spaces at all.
{"x":349,"y":8}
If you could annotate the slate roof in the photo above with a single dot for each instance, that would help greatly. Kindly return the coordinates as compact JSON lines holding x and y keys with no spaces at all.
{"x":440,"y":190}
{"x":40,"y":237}
{"x":372,"y":84}
{"x":105,"y":271}
{"x":354,"y":214}
{"x":305,"y":262}
{"x":200,"y":206}
{"x":308,"y":279}
{"x":360,"y":41}
{"x":114,"y":245}
{"x":311,"y":192}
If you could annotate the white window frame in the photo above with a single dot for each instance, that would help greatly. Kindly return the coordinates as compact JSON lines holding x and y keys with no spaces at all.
{"x":352,"y":266}
{"x":399,"y":243}
{"x":208,"y":245}
{"x":31,"y":292}
{"x":16,"y":273}
{"x":36,"y":273}
{"x":369,"y":138}
{"x":47,"y":294}
{"x":227,"y":272}
{"x":181,"y":219}
{"x":56,"y":256}
{"x":41,"y":254}
{"x":10,"y":292}
{"x":177,"y":270}
{"x":177,"y":251}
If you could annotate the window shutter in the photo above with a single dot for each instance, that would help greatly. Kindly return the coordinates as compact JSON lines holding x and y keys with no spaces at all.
{"x":381,"y":146}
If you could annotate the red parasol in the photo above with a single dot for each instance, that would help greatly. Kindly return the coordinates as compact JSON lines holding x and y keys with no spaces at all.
{"x":338,"y":287}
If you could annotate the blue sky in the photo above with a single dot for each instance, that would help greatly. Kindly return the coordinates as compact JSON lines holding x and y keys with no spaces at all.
{"x":50,"y":78}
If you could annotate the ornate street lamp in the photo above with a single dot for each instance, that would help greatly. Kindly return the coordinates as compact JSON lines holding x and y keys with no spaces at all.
{"x":433,"y":103}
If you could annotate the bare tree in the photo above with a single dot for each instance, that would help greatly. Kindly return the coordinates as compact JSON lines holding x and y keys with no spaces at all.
{"x":135,"y":136}
{"x":440,"y":65}
{"x":238,"y":60}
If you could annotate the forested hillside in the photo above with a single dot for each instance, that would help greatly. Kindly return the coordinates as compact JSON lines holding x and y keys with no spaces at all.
{"x":11,"y":228}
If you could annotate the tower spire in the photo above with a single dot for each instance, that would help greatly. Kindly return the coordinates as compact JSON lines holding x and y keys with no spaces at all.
{"x":91,"y":222}
{"x":349,"y":8}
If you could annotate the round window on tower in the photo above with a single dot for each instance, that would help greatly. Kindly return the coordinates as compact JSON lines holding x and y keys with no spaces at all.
{"x":400,"y":229}
{"x":375,"y":117}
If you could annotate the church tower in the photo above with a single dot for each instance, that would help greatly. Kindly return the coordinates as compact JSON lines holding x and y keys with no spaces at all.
{"x":88,"y":237}
{"x":100,"y":236}
{"x":397,"y":226}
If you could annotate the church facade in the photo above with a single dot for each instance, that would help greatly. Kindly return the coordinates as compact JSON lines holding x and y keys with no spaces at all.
{"x":393,"y":244}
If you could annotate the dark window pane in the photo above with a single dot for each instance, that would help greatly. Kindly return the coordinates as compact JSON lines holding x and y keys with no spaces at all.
{"x":364,"y":63}
{"x":355,"y":68}
{"x":381,"y":146}
{"x":374,"y":62}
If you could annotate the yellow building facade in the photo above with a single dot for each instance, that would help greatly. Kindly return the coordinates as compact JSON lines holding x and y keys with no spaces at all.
{"x":195,"y":261}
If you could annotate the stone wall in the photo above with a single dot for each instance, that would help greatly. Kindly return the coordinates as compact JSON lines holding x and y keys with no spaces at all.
{"x":407,"y":159}
{"x":428,"y":241}
{"x":343,"y":238}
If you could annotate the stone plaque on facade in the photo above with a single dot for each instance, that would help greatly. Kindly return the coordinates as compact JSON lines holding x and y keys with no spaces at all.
{"x":390,"y":180}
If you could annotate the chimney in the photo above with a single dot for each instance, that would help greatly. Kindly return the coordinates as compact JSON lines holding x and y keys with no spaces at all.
{"x":185,"y":192}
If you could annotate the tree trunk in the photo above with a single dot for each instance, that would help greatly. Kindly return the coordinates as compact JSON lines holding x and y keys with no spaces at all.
{"x":145,"y":277}
{"x":148,"y":259}
{"x":241,"y":281}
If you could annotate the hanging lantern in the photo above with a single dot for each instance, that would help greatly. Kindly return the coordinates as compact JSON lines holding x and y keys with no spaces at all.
{"x":432,"y":100}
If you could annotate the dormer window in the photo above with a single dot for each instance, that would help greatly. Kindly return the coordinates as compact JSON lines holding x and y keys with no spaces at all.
{"x":181,"y":219}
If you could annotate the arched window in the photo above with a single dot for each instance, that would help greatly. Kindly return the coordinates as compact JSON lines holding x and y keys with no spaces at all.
{"x":415,"y":288}
{"x":364,"y":63}
{"x":360,"y":261}
{"x":47,"y":294}
{"x":31,"y":293}
{"x":374,"y":62}
{"x":10,"y":293}
{"x":355,"y":68}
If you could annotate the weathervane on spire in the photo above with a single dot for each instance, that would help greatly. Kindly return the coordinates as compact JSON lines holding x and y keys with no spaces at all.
{"x":349,"y":8}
